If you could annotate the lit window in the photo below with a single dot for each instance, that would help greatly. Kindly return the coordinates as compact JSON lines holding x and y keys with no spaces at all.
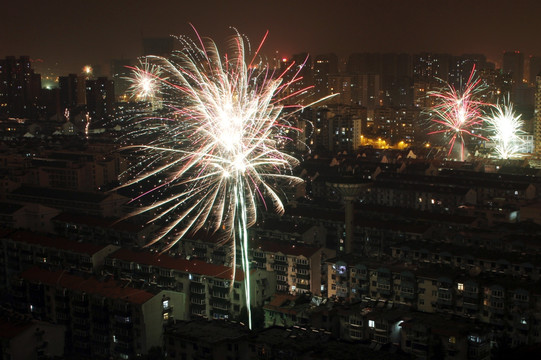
{"x":452,"y":340}
{"x":371,"y":324}
{"x":460,"y":287}
{"x":165,"y":304}
{"x":166,"y":316}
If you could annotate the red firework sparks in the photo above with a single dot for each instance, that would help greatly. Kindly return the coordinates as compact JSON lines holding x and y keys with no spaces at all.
{"x":458,"y":112}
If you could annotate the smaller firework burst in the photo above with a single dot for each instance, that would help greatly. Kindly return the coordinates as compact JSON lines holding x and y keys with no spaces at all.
{"x":505,"y":127}
{"x":457,"y":113}
{"x":145,"y":82}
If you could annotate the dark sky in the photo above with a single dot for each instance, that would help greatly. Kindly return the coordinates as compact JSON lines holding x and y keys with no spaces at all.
{"x":75,"y":32}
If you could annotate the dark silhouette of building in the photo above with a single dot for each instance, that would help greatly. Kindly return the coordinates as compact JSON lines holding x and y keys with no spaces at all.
{"x":513,"y":63}
{"x":100,"y":98}
{"x":19,"y":87}
{"x":324,"y":65}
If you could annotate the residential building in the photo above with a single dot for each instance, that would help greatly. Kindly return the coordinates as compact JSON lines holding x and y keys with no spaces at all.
{"x":23,"y":338}
{"x":94,"y":312}
{"x":23,"y":250}
{"x":210,"y":289}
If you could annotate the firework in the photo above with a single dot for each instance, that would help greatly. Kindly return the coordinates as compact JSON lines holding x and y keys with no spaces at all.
{"x":145,"y":81}
{"x":458,"y":113}
{"x":216,"y":141}
{"x":505,"y":127}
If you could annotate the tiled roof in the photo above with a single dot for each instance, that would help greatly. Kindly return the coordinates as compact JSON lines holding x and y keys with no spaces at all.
{"x":10,"y":329}
{"x":168,"y":262}
{"x":55,"y":242}
{"x":110,"y":289}
{"x":49,"y":193}
{"x":9,"y":208}
{"x":94,"y":221}
{"x":285,"y":247}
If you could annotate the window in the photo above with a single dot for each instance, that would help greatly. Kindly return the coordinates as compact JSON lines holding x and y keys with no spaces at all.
{"x":165,"y":304}
{"x":371,"y":324}
{"x":460,"y":287}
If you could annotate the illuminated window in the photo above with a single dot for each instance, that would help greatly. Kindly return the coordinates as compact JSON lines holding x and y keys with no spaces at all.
{"x":371,"y":324}
{"x":166,"y":316}
{"x":452,"y":340}
{"x":460,"y":287}
{"x":165,"y":304}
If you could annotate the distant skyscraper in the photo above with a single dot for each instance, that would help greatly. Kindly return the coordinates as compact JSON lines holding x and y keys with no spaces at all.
{"x":513,"y":63}
{"x":428,"y":67}
{"x":100,"y":98}
{"x":535,"y":68}
{"x":537,"y":117}
{"x":323,"y":66}
{"x":69,"y":89}
{"x":355,"y":89}
{"x":19,"y":87}
{"x":120,"y":71}
{"x":462,"y":66}
{"x":302,"y":66}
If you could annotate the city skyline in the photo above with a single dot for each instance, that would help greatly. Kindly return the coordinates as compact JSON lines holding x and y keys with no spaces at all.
{"x":76,"y":33}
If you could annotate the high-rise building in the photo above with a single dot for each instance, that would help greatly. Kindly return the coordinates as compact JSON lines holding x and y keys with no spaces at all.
{"x":428,"y":66}
{"x":535,"y":68}
{"x":323,"y":66}
{"x":537,"y":116}
{"x":120,"y":72}
{"x":396,"y":80}
{"x":513,"y":63}
{"x":355,"y":89}
{"x":100,"y":98}
{"x":462,"y":66}
{"x":20,"y":87}
{"x":300,"y":65}
{"x":72,"y":91}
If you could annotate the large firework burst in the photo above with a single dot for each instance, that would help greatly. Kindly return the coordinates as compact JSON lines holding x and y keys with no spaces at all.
{"x":217,"y":141}
{"x":505,"y":127}
{"x":458,"y":112}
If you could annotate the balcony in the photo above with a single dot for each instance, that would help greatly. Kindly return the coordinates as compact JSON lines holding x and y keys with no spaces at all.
{"x":198,"y":301}
{"x":196,"y":288}
{"x":198,"y":311}
{"x":221,"y":305}
{"x":220,"y":294}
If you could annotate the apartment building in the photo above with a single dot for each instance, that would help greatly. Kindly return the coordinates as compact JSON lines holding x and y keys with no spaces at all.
{"x":22,"y":337}
{"x":22,"y":250}
{"x":91,"y":203}
{"x":212,"y":291}
{"x":297,"y":266}
{"x":103,"y":318}
{"x":103,"y":230}
{"x":500,"y":301}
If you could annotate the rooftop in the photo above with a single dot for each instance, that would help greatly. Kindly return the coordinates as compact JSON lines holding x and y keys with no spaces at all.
{"x":285,"y":247}
{"x":168,"y":262}
{"x":59,"y":194}
{"x":110,"y":288}
{"x":54,"y":242}
{"x":99,"y":222}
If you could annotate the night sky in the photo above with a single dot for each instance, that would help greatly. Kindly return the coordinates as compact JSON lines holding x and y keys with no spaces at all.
{"x":73,"y":33}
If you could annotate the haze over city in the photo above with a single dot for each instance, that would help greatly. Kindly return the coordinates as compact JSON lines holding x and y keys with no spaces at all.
{"x":75,"y":33}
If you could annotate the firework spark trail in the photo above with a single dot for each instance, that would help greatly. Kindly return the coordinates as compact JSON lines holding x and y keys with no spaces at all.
{"x":217,"y":140}
{"x":458,"y":112}
{"x":145,"y":81}
{"x":505,"y":127}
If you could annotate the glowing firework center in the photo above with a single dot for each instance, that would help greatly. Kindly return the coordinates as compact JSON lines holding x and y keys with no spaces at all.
{"x":217,"y":140}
